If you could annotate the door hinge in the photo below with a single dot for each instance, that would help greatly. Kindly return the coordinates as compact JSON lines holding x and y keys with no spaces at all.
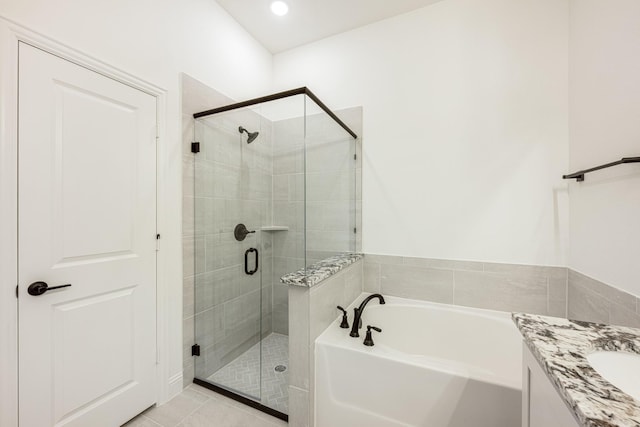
{"x":355,"y":230}
{"x":195,"y":147}
{"x":355,"y":157}
{"x":195,"y":350}
{"x":17,"y":291}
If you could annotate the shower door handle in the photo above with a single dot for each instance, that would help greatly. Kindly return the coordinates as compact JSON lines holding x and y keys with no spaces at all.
{"x":246,"y":261}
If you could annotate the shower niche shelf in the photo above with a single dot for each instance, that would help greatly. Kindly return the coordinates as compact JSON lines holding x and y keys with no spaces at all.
{"x":274,"y":228}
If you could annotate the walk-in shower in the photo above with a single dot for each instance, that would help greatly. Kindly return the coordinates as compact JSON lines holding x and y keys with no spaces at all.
{"x":274,"y":191}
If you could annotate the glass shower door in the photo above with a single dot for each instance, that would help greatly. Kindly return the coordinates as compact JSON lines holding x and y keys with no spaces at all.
{"x":275,"y":189}
{"x":230,"y":204}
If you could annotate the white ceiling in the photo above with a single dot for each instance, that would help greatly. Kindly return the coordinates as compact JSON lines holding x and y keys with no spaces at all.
{"x":311,"y":20}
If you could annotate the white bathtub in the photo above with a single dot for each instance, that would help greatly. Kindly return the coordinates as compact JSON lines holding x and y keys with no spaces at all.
{"x":433,"y":365}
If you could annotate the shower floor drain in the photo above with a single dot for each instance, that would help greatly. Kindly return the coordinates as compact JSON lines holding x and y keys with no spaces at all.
{"x":280,"y":368}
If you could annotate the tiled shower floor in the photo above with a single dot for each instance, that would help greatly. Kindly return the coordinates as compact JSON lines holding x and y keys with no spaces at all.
{"x":241,"y":373}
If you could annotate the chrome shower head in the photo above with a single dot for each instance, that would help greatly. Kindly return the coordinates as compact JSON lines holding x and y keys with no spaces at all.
{"x":251,"y":136}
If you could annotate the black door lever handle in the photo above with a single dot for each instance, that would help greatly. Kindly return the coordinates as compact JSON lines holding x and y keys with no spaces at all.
{"x":39,"y":288}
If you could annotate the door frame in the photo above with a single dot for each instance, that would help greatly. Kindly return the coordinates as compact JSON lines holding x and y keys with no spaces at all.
{"x":11,"y":34}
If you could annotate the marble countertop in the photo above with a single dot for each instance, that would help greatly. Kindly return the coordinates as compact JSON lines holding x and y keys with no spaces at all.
{"x":321,"y":270}
{"x":561,"y":347}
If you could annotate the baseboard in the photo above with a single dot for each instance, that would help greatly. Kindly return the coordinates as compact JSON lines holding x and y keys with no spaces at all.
{"x":175,"y":385}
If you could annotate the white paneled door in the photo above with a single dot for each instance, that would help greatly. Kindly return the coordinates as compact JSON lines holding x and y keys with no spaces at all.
{"x":87,"y":218}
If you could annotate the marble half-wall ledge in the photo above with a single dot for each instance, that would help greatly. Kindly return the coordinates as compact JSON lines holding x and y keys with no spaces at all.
{"x":321,"y":270}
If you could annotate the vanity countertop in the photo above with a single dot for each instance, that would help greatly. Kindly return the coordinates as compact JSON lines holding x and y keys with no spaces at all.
{"x":321,"y":270}
{"x":561,"y":347}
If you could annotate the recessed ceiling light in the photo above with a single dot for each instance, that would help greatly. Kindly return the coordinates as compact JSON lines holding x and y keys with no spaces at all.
{"x":279,"y":8}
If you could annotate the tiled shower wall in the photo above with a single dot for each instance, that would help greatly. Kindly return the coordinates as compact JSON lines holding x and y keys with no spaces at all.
{"x":331,"y":166}
{"x":288,"y":210}
{"x":551,"y":291}
{"x":332,"y":191}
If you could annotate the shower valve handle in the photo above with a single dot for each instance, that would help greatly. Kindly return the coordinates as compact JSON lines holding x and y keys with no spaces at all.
{"x":240,"y":232}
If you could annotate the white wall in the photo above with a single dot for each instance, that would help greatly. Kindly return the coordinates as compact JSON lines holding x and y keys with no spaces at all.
{"x":605,"y":126}
{"x":465,"y":126}
{"x":155,"y":41}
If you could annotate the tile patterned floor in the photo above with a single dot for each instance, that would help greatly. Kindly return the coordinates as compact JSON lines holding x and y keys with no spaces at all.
{"x":242,"y":373}
{"x":198,"y":407}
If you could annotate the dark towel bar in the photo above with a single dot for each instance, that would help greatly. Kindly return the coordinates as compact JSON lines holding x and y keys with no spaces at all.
{"x":579,"y":176}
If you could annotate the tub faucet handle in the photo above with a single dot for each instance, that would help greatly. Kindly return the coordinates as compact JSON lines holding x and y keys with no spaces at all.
{"x":368,"y":340}
{"x":345,"y":322}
